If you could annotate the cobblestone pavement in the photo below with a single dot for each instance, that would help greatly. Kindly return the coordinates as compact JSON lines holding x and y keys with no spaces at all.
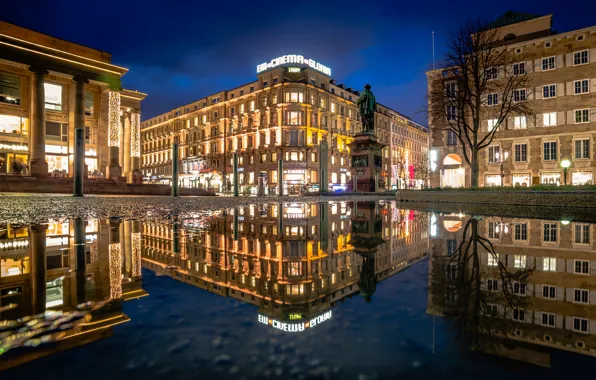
{"x":39,"y":208}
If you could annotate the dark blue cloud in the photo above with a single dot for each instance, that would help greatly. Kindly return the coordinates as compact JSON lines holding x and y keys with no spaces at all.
{"x":180,"y":51}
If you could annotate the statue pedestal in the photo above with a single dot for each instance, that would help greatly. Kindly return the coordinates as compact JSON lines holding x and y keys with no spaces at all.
{"x":367,"y":162}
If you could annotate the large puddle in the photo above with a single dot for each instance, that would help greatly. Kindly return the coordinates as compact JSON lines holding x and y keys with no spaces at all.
{"x":334,"y":290}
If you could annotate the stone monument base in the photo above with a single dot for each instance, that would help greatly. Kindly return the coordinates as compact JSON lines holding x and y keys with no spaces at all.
{"x":367,"y":158}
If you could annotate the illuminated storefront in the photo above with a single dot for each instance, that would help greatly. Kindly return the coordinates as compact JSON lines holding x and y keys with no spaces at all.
{"x":57,"y":159}
{"x":582,"y":178}
{"x":294,"y":181}
{"x":492,"y":180}
{"x":523,"y":180}
{"x":550,"y":178}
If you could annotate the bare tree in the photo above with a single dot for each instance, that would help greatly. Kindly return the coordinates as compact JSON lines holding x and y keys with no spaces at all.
{"x":480,"y":79}
{"x":422,"y":170}
{"x":400,"y":159}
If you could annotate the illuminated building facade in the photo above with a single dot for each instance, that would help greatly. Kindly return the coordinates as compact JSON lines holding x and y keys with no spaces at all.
{"x":49,"y":269}
{"x":562,"y":71}
{"x":40,"y":80}
{"x":285,"y":114}
{"x":553,"y":307}
{"x":292,"y":261}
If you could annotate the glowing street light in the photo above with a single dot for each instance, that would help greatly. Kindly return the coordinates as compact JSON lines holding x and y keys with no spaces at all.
{"x":565,"y":164}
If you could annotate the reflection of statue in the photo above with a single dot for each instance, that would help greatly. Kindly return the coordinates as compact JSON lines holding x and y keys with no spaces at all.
{"x":368,"y":280}
{"x":367,"y":105}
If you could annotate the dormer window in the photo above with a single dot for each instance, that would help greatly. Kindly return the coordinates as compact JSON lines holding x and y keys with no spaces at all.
{"x":509,"y":37}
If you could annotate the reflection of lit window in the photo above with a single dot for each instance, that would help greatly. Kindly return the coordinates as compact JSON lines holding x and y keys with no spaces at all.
{"x":53,"y":96}
{"x":333,"y":278}
{"x":295,"y":289}
{"x":54,"y":293}
{"x":333,"y":208}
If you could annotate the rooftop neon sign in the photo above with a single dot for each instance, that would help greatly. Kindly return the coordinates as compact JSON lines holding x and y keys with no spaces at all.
{"x":293,"y":59}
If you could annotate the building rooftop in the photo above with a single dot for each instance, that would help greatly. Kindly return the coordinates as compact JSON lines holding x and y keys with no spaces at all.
{"x":511,"y":17}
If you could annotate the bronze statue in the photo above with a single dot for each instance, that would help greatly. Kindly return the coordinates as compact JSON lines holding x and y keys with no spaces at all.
{"x":367,"y":105}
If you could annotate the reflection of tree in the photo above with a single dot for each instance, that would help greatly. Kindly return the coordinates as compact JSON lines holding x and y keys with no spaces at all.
{"x":459,"y":288}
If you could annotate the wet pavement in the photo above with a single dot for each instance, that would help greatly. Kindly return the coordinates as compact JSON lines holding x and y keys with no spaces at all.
{"x":293,"y":290}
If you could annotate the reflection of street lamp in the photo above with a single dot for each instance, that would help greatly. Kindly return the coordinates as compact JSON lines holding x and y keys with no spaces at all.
{"x":501,"y":160}
{"x":565,"y":164}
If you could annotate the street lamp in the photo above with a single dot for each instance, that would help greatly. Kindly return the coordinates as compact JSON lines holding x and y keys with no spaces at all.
{"x":565,"y":164}
{"x":502,"y":159}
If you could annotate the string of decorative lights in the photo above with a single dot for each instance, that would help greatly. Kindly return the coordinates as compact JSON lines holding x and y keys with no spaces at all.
{"x":115,"y":264}
{"x":114,"y":119}
{"x":135,"y":135}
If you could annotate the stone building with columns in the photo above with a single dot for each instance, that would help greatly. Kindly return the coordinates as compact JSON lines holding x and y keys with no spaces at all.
{"x":285,"y":114}
{"x":51,"y":87}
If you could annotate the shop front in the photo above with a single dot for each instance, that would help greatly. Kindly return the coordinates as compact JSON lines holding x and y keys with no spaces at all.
{"x":453,"y":175}
{"x":523,"y":180}
{"x":57,"y":158}
{"x":12,"y":154}
{"x":550,"y":178}
{"x":294,"y":181}
{"x":492,"y":180}
{"x":580,"y":178}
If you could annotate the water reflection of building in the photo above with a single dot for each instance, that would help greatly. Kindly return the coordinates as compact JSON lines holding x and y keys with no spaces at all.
{"x":51,"y":268}
{"x":292,"y":261}
{"x":553,"y":308}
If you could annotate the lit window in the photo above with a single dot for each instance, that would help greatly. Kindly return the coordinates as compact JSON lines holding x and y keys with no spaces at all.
{"x":519,"y":122}
{"x":294,"y":97}
{"x":10,"y":89}
{"x":549,"y":119}
{"x":53,"y":96}
{"x":549,"y":264}
{"x":493,"y":259}
{"x":519,"y":261}
{"x":492,"y":124}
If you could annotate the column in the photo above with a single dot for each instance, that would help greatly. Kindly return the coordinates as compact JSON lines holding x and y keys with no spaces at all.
{"x":37,"y":253}
{"x":121,"y":138}
{"x":135,"y":148}
{"x":114,"y":170}
{"x":126,"y":168}
{"x":79,"y":137}
{"x":38,"y":167}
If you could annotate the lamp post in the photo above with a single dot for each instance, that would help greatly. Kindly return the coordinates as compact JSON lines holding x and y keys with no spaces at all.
{"x":565,"y":164}
{"x":502,"y":159}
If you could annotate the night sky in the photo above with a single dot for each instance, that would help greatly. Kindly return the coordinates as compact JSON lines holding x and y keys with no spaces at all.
{"x":181,"y":51}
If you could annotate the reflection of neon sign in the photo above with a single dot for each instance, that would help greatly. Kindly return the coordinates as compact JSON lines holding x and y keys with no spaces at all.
{"x":294,"y":327}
